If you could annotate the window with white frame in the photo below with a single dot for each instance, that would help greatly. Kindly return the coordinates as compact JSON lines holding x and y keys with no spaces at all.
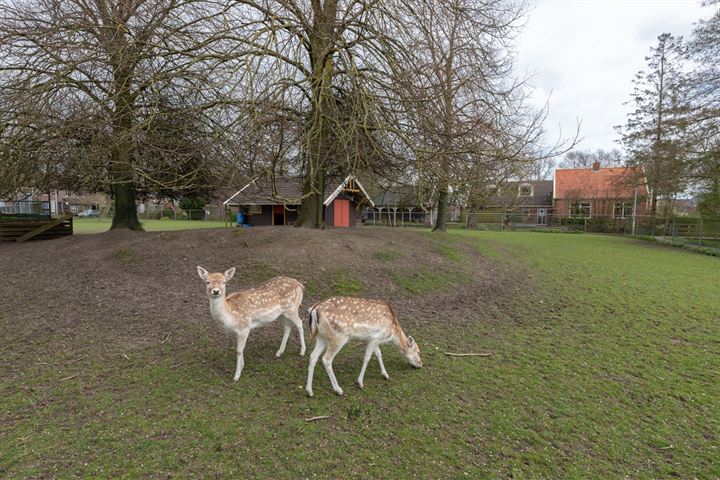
{"x":622,"y":210}
{"x":525,"y":190}
{"x":581,"y":209}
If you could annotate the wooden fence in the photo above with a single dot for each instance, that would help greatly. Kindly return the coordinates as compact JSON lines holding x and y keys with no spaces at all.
{"x":17,"y":229}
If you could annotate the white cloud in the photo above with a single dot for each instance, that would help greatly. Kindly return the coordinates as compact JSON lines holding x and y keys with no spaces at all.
{"x":586,"y":52}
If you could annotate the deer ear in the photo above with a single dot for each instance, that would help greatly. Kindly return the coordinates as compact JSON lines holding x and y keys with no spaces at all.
{"x":411,"y":341}
{"x":229,"y":274}
{"x":202,"y":272}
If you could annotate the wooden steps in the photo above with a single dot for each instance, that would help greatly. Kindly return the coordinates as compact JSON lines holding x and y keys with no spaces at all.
{"x":17,"y":230}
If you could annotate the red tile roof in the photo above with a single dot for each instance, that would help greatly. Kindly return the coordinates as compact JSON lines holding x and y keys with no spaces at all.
{"x":614,"y":182}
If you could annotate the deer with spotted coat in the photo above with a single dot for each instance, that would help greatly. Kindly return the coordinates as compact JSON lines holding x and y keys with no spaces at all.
{"x":243,"y":311}
{"x":337,"y":320}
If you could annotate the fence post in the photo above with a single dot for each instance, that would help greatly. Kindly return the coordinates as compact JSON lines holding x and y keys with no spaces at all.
{"x":653,"y":225}
{"x":585,"y":224}
{"x":701,"y":233}
{"x":674,"y":231}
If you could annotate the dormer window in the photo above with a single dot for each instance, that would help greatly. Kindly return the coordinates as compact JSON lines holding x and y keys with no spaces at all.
{"x":525,"y":190}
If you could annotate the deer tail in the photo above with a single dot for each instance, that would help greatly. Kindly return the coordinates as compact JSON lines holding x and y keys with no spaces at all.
{"x":313,"y":321}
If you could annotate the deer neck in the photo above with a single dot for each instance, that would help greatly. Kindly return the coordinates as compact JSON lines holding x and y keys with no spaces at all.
{"x":400,"y":339}
{"x":218,"y":307}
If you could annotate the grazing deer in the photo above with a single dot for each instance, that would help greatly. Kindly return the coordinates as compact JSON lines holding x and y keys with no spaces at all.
{"x":336,"y":320}
{"x":243,"y":311}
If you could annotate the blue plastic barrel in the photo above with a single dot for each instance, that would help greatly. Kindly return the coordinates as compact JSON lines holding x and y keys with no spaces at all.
{"x":240,"y":218}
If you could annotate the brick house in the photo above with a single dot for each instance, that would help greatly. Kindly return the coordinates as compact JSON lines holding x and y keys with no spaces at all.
{"x":596,"y":191}
{"x":265,"y":204}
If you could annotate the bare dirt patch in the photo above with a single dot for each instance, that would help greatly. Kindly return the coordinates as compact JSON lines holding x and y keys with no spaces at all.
{"x":108,"y":295}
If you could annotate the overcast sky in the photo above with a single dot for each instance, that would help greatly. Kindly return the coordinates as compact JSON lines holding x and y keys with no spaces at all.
{"x":585,"y":53}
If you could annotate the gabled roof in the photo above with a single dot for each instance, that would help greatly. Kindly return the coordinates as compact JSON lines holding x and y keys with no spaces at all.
{"x":614,"y":182}
{"x":350,"y":181}
{"x":288,"y":191}
{"x":510,"y":195}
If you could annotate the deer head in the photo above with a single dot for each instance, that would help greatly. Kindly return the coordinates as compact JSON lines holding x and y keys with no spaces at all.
{"x":412,"y":352}
{"x":215,"y":282}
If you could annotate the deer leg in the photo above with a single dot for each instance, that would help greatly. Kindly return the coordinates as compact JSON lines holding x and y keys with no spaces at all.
{"x":383,"y":372}
{"x":368,"y":355}
{"x":332,"y":350}
{"x":286,"y":334}
{"x":242,"y":337}
{"x":319,"y":348}
{"x":297,"y":321}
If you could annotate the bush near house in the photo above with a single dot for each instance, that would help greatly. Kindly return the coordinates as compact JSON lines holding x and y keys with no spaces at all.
{"x":194,"y":207}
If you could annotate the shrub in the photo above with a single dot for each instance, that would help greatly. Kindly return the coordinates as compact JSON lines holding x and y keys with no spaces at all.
{"x":194,"y":207}
{"x":570,"y":221}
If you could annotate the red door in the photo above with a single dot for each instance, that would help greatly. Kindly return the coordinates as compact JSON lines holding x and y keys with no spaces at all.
{"x":341,"y":213}
{"x":278,"y":215}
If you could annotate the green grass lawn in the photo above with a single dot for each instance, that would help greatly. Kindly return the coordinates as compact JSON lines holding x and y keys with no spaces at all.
{"x":605,"y":364}
{"x":99,"y":225}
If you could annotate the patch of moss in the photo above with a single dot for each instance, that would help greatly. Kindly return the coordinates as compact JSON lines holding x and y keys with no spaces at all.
{"x":450,"y":253}
{"x":335,"y":282}
{"x":124,"y":255}
{"x":425,"y":280}
{"x":386,"y":255}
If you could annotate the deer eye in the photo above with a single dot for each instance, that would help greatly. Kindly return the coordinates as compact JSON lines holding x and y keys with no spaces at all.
{"x":208,"y":283}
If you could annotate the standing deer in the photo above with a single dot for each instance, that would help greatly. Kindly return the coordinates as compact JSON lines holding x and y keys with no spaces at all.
{"x":336,"y":320}
{"x":243,"y":311}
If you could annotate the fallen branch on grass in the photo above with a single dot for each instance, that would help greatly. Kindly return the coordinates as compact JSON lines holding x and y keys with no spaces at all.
{"x":77,"y":359}
{"x":450,"y":354}
{"x":71,"y":376}
{"x":321,"y":417}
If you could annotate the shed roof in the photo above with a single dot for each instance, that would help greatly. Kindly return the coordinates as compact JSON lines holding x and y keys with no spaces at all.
{"x":288,"y":191}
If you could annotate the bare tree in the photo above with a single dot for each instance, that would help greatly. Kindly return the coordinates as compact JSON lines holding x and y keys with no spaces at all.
{"x":318,"y":65}
{"x":704,"y":119}
{"x":472,"y":126}
{"x":87,"y":86}
{"x":586,"y":158}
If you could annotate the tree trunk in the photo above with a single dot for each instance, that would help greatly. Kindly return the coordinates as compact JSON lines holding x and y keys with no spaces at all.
{"x":653,"y":204}
{"x":321,"y":39}
{"x":123,"y":186}
{"x":311,"y":207}
{"x":125,"y":215}
{"x":442,"y":206}
{"x":472,"y":212}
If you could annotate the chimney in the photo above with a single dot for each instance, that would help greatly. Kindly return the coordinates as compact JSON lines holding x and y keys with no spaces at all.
{"x":596,"y":166}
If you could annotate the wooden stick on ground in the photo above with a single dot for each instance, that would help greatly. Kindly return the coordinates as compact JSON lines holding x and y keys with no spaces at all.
{"x":450,"y":354}
{"x":78,"y":359}
{"x":321,"y":417}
